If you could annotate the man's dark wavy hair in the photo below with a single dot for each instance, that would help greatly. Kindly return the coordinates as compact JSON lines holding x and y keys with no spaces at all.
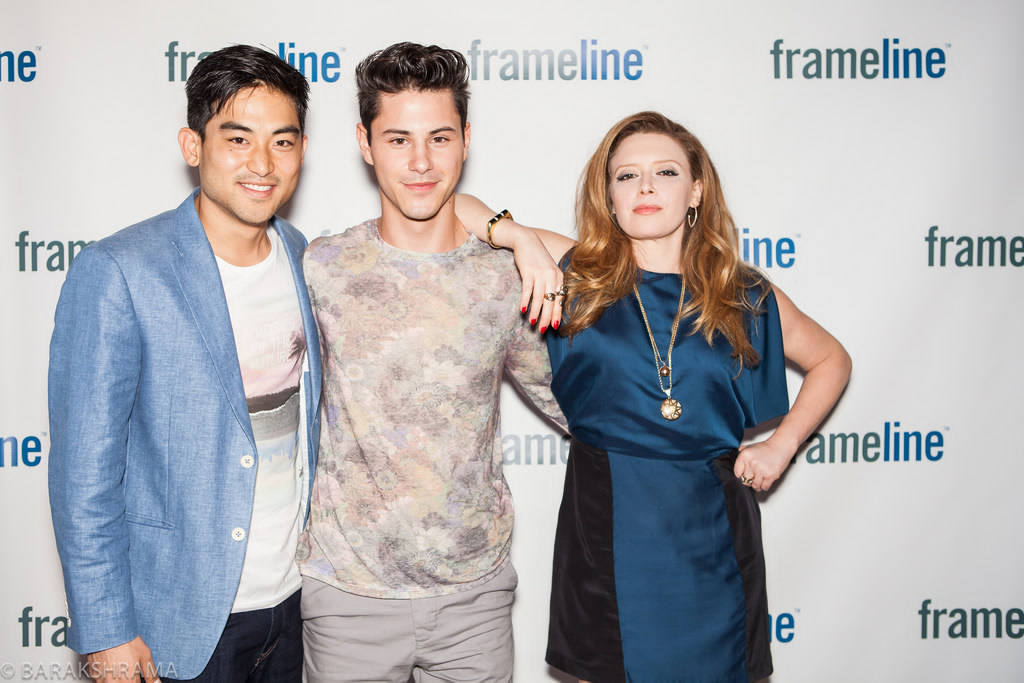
{"x":411,"y":66}
{"x":218,"y":77}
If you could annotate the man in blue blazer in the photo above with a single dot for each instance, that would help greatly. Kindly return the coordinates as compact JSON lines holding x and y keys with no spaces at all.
{"x":184,"y":391}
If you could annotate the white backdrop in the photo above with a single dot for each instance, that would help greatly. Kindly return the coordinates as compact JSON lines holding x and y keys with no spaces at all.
{"x":877,"y":568}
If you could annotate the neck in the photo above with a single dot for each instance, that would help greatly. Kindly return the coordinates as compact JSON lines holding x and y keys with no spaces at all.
{"x":656,"y":258}
{"x":438,"y":234}
{"x":238,"y":244}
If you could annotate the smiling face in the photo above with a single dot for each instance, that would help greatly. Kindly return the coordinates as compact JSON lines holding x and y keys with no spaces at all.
{"x":651,"y":189}
{"x":417,"y":146}
{"x":248,"y":159}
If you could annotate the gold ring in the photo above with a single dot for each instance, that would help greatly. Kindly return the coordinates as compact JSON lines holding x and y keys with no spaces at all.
{"x":747,"y":481}
{"x":550,"y":296}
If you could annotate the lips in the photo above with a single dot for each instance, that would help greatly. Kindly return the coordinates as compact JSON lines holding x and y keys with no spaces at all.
{"x":258,"y":188}
{"x":646,"y":209}
{"x":421,"y":186}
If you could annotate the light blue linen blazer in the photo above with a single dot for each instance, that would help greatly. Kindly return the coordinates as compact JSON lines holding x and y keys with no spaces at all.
{"x":150,"y":496}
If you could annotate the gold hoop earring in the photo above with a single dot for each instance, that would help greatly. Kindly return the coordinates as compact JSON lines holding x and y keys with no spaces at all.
{"x":692,"y":222}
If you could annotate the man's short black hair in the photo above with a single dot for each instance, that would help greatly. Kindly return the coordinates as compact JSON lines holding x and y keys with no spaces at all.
{"x":218,"y":77}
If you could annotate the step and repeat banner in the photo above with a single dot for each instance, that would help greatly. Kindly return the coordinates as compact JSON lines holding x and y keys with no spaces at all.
{"x":870,"y":152}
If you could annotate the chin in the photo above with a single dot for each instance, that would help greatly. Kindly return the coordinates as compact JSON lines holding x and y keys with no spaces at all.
{"x":256,"y":221}
{"x":418,"y":213}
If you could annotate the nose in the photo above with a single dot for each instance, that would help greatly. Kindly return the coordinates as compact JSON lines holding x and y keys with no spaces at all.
{"x":421,"y":162}
{"x":646,"y":184}
{"x":260,"y":161}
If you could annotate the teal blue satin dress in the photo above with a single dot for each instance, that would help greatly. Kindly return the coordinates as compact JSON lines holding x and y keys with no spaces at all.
{"x":658,"y":567}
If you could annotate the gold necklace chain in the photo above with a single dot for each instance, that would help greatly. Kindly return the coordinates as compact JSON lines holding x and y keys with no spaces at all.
{"x":671,"y":409}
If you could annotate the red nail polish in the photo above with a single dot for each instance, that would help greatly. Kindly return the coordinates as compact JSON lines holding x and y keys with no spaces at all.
{"x":555,"y":324}
{"x":543,"y":330}
{"x":524,"y":310}
{"x":533,"y":321}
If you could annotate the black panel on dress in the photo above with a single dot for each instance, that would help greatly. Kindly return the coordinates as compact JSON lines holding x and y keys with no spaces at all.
{"x":583,"y":633}
{"x":745,"y":520}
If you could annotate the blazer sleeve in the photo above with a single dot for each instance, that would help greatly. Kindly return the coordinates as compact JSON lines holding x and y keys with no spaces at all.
{"x":95,"y":356}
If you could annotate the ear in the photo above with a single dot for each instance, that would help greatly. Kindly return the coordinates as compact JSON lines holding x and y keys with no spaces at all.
{"x":465,"y":141}
{"x":696,"y":193}
{"x":191,"y":146}
{"x":302,"y":156}
{"x":363,"y":137}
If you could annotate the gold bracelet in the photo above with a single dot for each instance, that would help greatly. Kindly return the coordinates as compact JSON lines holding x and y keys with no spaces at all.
{"x":494,"y":221}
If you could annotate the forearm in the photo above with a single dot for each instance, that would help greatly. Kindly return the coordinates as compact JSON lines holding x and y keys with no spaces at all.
{"x":536,"y":254}
{"x":759,"y":465}
{"x":821,"y":388}
{"x":473,"y":214}
{"x":506,"y":233}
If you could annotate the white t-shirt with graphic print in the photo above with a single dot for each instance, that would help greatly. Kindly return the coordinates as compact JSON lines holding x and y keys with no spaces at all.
{"x":270,"y":341}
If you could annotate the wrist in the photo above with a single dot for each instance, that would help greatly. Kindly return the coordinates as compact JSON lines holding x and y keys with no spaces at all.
{"x":784,"y":443}
{"x":495,"y":225}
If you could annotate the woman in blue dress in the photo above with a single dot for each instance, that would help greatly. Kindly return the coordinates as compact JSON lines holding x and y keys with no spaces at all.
{"x":672,"y":347}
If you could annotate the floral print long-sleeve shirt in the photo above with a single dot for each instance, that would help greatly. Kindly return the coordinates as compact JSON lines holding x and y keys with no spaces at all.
{"x":410,"y":499}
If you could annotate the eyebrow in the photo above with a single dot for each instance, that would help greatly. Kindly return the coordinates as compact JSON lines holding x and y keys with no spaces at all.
{"x":397,"y":131}
{"x":616,"y":169}
{"x":232,"y":125}
{"x":657,"y":161}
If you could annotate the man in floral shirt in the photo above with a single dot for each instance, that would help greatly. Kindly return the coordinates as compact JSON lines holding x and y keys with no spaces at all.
{"x":412,"y":518}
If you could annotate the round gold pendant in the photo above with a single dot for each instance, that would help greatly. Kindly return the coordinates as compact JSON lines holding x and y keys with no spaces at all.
{"x":671,"y":409}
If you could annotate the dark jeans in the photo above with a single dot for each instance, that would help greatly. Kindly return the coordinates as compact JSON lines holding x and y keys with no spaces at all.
{"x":262,"y":646}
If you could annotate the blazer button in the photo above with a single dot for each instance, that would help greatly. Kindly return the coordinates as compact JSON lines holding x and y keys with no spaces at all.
{"x":238,"y":533}
{"x":248,"y":461}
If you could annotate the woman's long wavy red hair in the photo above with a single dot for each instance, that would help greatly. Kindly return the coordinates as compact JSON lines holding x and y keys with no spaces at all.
{"x":603,"y":268}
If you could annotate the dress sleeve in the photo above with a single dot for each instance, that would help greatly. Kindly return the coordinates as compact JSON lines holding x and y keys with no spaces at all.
{"x":768,"y":396}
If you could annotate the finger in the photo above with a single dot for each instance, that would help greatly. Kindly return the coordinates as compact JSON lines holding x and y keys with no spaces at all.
{"x":556,"y":312}
{"x":553,"y":300}
{"x":551,"y":311}
{"x":741,"y":466}
{"x":546,"y":305}
{"x":533,"y":300}
{"x":766,"y":481}
{"x":150,"y":671}
{"x":524,"y":299}
{"x":545,"y":299}
{"x":744,"y":469}
{"x":536,"y":303}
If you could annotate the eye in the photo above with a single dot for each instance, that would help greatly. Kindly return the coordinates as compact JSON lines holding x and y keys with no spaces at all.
{"x":398,"y":142}
{"x":623,"y":177}
{"x":668,"y":172}
{"x":287,"y":144}
{"x":439,"y":139}
{"x":237,"y":141}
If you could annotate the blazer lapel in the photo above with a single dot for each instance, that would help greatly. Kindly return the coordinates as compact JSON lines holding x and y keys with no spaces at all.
{"x":199,"y":278}
{"x":294,"y":248}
